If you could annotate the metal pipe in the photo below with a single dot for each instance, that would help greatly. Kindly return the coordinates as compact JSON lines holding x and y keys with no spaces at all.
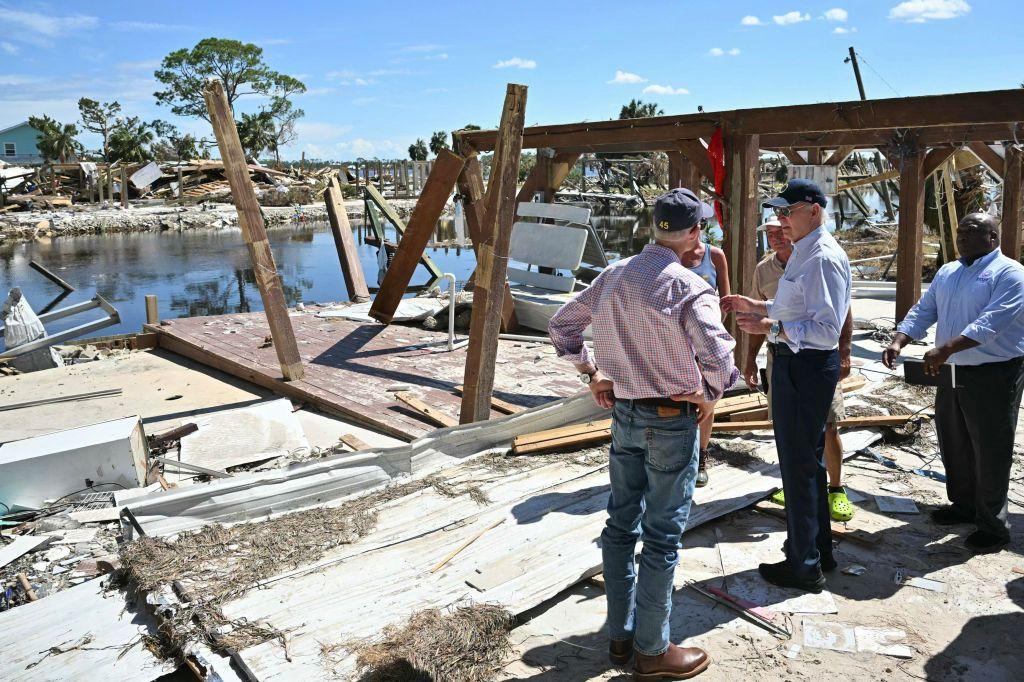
{"x":451,"y":308}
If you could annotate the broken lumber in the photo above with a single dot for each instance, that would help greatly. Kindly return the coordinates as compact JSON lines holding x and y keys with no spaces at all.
{"x":348,"y":257}
{"x":421,"y":226}
{"x":498,"y":404}
{"x":50,"y":276}
{"x":852,"y":534}
{"x":354,"y":442}
{"x":432,"y":414}
{"x":850,"y":423}
{"x":250,"y":220}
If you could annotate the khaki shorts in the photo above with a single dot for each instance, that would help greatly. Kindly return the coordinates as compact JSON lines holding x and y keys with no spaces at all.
{"x":836,"y":411}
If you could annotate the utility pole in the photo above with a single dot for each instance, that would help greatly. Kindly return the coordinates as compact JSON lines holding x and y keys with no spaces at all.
{"x":882,"y":188}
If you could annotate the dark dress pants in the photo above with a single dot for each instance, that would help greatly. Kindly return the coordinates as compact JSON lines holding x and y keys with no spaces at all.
{"x":976,"y":423}
{"x":803,"y":384}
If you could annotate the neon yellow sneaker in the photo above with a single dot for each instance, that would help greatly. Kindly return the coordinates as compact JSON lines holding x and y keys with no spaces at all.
{"x":779,"y":497}
{"x":839,"y":506}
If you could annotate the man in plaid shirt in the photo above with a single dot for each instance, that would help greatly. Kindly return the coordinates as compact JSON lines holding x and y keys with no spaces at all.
{"x":662,"y":359}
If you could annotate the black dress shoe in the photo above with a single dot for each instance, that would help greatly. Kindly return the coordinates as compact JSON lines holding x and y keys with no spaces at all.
{"x":948,"y":515}
{"x":983,"y":542}
{"x":782,"y":575}
{"x":828,"y":563}
{"x":620,"y":651}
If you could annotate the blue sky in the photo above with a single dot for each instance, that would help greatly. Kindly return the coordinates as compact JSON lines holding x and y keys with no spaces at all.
{"x":380,"y":75}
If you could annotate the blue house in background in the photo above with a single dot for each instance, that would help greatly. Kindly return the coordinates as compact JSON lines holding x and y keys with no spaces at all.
{"x":18,"y":145}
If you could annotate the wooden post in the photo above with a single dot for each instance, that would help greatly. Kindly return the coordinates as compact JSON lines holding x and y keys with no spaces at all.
{"x":417,"y":233}
{"x":910,"y":232}
{"x":492,"y":254}
{"x":949,"y":240}
{"x":1013,"y":201}
{"x":181,"y":187}
{"x":814,"y":156}
{"x":110,"y":184}
{"x":99,"y":184}
{"x":250,"y":219}
{"x":471,"y":189}
{"x":682,"y":172}
{"x":741,"y":218}
{"x":348,"y":257}
{"x":152,"y":311}
{"x":124,"y":187}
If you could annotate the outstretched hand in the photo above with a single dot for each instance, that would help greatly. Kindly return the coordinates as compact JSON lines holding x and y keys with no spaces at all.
{"x":735,"y":303}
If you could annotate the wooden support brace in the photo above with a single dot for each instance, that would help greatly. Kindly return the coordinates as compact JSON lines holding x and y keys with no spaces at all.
{"x":989,"y":157}
{"x":935,"y":158}
{"x":345,"y":244}
{"x":682,"y":172}
{"x":742,"y":217}
{"x":432,"y":414}
{"x":696,"y":152}
{"x":498,"y":404}
{"x":793,"y":156}
{"x":492,"y":263}
{"x":839,"y":155}
{"x":1013,"y":201}
{"x":250,"y":220}
{"x":910,"y":233}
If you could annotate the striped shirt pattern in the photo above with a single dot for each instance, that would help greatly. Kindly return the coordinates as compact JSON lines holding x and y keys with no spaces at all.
{"x":657,"y":329}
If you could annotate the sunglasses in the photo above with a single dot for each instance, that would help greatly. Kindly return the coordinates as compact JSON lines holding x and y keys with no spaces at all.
{"x":786,"y":211}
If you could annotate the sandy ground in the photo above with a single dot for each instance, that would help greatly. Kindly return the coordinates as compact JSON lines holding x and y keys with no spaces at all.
{"x":969,"y":631}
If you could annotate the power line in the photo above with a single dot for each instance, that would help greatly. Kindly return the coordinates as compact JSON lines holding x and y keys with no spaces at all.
{"x":861,"y":56}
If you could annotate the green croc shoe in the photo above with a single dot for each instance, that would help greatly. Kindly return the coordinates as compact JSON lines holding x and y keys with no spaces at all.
{"x":839,"y":505}
{"x":779,"y":497}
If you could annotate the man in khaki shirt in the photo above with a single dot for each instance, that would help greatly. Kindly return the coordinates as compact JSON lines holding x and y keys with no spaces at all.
{"x":766,"y":282}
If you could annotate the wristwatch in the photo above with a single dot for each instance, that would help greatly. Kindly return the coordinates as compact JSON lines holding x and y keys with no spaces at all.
{"x":586,"y":378}
{"x":773,"y":333}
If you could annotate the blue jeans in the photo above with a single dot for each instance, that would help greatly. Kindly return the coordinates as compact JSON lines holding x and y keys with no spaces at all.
{"x":653,"y":469}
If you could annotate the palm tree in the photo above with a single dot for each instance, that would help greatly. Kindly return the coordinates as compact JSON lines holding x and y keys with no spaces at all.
{"x":438,"y":141}
{"x":257,"y":133}
{"x":131,"y":140}
{"x":418,"y":150}
{"x":640,"y":109}
{"x":56,"y":141}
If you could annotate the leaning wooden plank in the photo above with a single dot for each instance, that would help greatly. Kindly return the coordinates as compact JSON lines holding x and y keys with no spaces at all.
{"x":492,"y":254}
{"x":250,"y":220}
{"x":498,"y":404}
{"x":562,"y":432}
{"x":421,"y":226}
{"x":852,"y":422}
{"x":348,"y":256}
{"x":377,"y":199}
{"x":578,"y":440}
{"x":433,"y":414}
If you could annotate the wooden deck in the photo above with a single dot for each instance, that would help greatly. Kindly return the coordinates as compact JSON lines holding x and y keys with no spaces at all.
{"x":349,"y":366}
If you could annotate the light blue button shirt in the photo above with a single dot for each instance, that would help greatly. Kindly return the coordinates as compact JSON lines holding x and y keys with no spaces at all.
{"x":983,"y":301}
{"x":814,"y":293}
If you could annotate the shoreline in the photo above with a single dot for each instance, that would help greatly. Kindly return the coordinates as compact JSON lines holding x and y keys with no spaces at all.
{"x":31,"y":225}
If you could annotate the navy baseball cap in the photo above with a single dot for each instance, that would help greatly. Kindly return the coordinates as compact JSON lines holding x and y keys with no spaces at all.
{"x":798,"y":190}
{"x":676,"y":210}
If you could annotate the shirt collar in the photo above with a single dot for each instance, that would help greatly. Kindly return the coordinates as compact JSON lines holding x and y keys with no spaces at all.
{"x":984,"y":261}
{"x":660,"y":253}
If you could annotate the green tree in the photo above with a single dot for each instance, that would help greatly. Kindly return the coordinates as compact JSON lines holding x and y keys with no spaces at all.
{"x":438,"y":141}
{"x":173,"y":144}
{"x":471,"y":126}
{"x":130,"y":140}
{"x":284,"y":116}
{"x":640,"y":109}
{"x":56,"y":141}
{"x":238,"y":65}
{"x":257,"y":133}
{"x":99,"y":118}
{"x":418,"y":150}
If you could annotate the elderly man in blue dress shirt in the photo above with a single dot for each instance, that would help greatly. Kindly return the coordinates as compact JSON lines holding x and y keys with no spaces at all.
{"x":977,"y":303}
{"x":804,"y":321}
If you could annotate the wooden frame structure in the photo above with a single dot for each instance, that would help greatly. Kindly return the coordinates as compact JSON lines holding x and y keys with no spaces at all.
{"x":916,"y":133}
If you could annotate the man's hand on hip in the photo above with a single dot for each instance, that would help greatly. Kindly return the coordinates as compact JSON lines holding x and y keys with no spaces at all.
{"x":602,"y":390}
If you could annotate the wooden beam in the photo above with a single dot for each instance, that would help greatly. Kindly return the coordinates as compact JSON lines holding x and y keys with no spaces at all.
{"x":432,"y":414}
{"x":152,"y":309}
{"x":814,"y":156}
{"x":878,"y":137}
{"x":840,"y":154}
{"x":385,"y":207}
{"x":989,"y":157}
{"x":250,"y":220}
{"x":910,"y":232}
{"x":887,"y":175}
{"x":498,"y":404}
{"x":794,"y":156}
{"x":682,"y":172}
{"x":741,"y":218}
{"x":935,"y":158}
{"x":345,"y":244}
{"x":471,"y":189}
{"x":547,"y":176}
{"x":696,"y":153}
{"x":998,"y":106}
{"x":353,"y":441}
{"x":493,"y":259}
{"x":421,"y":226}
{"x":1013,"y":201}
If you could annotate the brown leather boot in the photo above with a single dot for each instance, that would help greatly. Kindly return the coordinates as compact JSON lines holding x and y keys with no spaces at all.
{"x":620,"y":651}
{"x":677,"y":663}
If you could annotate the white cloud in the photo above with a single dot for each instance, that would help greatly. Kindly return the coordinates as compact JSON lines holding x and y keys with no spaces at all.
{"x":734,"y":52}
{"x":516,"y":62}
{"x":339,"y":75}
{"x":435,"y":91}
{"x":626,"y":78}
{"x":8,"y":47}
{"x":319,"y":131}
{"x":363,"y":101}
{"x":429,"y":47}
{"x":837,"y":14}
{"x":664,"y":90}
{"x":920,"y":11}
{"x":750,"y":20}
{"x":45,"y":26}
{"x":841,"y":30}
{"x":719,"y":52}
{"x":793,"y":17}
{"x":15,"y":80}
{"x":315,"y":92}
{"x":390,"y":72}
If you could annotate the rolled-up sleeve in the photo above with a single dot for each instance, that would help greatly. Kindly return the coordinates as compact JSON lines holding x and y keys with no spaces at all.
{"x":567,"y":325}
{"x":1003,"y":309}
{"x":826,"y":286}
{"x":923,"y":314}
{"x":702,"y":320}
